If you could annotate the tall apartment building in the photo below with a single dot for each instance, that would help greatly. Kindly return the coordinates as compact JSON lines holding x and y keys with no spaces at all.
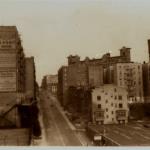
{"x":89,"y":72}
{"x":129,"y":76}
{"x":109,"y":105}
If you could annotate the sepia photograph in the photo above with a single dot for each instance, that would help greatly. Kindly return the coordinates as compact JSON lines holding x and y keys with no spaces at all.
{"x":75,"y":73}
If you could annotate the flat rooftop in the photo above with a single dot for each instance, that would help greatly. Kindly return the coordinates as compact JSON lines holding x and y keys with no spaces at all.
{"x":131,"y":134}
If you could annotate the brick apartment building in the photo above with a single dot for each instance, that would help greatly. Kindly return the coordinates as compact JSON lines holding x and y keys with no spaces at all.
{"x":12,"y":76}
{"x":129,"y":76}
{"x":87,"y":73}
{"x":14,"y":79}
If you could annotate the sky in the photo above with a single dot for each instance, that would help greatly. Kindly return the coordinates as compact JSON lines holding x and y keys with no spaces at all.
{"x":51,"y":30}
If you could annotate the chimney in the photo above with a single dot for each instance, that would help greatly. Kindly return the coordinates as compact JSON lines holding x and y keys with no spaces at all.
{"x":149,"y":48}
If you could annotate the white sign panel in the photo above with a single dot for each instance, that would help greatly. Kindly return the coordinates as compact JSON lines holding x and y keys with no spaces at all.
{"x":7,"y":60}
{"x":7,"y":80}
{"x":97,"y":137}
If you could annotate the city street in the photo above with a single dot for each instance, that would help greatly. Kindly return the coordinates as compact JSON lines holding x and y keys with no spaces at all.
{"x":131,"y":134}
{"x":57,"y":131}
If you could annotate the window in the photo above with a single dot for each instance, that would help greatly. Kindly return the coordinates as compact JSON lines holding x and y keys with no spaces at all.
{"x":115,"y":97}
{"x":106,"y":109}
{"x":98,"y":97}
{"x":106,"y":93}
{"x":120,"y":105}
{"x":111,"y":104}
{"x":112,"y":119}
{"x":112,"y":112}
{"x":120,"y":97}
{"x":115,"y":89}
{"x":107,"y":116}
{"x":106,"y":101}
{"x":99,"y":105}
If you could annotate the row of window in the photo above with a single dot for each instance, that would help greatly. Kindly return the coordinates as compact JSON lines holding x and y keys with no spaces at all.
{"x":128,"y":67}
{"x":115,"y":97}
{"x":120,"y":106}
{"x":115,"y":90}
{"x":6,"y":42}
{"x":133,"y":82}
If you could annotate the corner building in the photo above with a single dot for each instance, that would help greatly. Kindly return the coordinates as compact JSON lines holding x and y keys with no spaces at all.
{"x":109,"y":105}
{"x":12,"y":75}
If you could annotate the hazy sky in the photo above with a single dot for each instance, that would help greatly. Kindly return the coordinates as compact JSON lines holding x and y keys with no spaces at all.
{"x":53,"y":29}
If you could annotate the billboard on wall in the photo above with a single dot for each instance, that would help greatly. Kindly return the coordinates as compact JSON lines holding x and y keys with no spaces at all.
{"x":7,"y":60}
{"x":7,"y":72}
{"x":7,"y":80}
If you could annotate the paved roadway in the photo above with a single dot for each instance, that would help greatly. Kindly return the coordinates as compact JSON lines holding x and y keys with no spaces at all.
{"x":57,"y":130}
{"x":132,"y":134}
